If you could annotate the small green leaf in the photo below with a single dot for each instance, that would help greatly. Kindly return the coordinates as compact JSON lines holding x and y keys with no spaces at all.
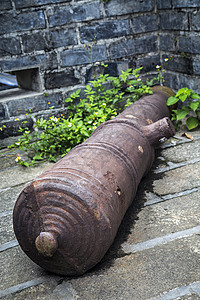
{"x":194,"y":105}
{"x":172,"y":100}
{"x":195,"y":96}
{"x":198,"y":113}
{"x":37,"y":157}
{"x":182,"y":113}
{"x":192,"y":123}
{"x":69,"y":100}
{"x":24,"y":163}
{"x":183,"y":97}
{"x":184,"y":91}
{"x":51,"y":158}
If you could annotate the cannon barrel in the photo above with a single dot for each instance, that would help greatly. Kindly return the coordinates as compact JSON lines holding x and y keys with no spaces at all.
{"x":67,"y":218}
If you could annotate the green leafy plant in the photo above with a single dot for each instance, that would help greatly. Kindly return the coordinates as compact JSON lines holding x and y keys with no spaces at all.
{"x":131,"y":83}
{"x":190,"y":111}
{"x":57,"y":135}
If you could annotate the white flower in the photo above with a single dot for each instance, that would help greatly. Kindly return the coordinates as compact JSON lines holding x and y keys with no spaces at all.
{"x":89,"y":122}
{"x":104,"y":104}
{"x":139,"y":79}
{"x":158,"y":67}
{"x":96,"y":113}
{"x":17,"y":143}
{"x":94,"y":127}
{"x":166,"y":59}
{"x":1,"y":128}
{"x":18,"y":158}
{"x":69,"y":124}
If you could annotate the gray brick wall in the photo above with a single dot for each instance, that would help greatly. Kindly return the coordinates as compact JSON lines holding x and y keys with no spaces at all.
{"x":185,"y":3}
{"x":164,"y":4}
{"x":66,"y":14}
{"x":80,"y":56}
{"x":174,"y":21}
{"x":179,"y":37}
{"x":146,"y":23}
{"x":144,"y":44}
{"x":105,"y":30}
{"x":53,"y":36}
{"x":195,"y":21}
{"x":122,"y":7}
{"x":189,"y":44}
{"x":10,"y":22}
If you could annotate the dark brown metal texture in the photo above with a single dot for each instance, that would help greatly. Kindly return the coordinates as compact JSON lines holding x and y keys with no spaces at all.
{"x":67,"y":218}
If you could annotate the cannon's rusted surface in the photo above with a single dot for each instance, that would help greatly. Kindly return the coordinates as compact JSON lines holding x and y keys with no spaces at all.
{"x":67,"y":218}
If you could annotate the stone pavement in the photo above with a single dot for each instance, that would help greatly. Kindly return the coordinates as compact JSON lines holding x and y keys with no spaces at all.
{"x":156,"y":252}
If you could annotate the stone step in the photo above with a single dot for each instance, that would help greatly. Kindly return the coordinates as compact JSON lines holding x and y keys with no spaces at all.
{"x":133,"y":276}
{"x":19,"y":174}
{"x":164,"y":218}
{"x":178,"y":179}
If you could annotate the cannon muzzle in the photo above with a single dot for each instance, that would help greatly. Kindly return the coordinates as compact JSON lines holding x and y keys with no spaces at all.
{"x":67,"y":218}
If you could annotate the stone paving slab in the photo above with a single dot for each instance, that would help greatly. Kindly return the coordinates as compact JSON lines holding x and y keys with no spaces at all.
{"x":6,"y":229}
{"x":7,"y":157}
{"x":166,"y":217}
{"x":8,"y":197}
{"x":134,"y":276}
{"x":40,"y":292}
{"x":191,"y":150}
{"x":20,"y":174}
{"x":190,"y":297}
{"x":179,"y":179}
{"x":137,"y":276}
{"x":20,"y":269}
{"x":155,"y":255}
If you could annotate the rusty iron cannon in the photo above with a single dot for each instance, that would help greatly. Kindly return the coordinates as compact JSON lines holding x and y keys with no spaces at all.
{"x":68,"y":217}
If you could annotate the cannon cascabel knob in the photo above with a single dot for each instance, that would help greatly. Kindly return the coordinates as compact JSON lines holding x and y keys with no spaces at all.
{"x":46,"y":244}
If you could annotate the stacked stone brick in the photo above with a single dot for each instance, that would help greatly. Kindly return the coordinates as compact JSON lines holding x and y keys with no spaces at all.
{"x":52,"y":36}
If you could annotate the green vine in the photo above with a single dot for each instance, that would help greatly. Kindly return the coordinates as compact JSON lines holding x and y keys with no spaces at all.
{"x":55,"y":137}
{"x":190,"y":111}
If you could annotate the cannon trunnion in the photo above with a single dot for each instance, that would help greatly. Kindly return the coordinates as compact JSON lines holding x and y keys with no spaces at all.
{"x":68,"y":217}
